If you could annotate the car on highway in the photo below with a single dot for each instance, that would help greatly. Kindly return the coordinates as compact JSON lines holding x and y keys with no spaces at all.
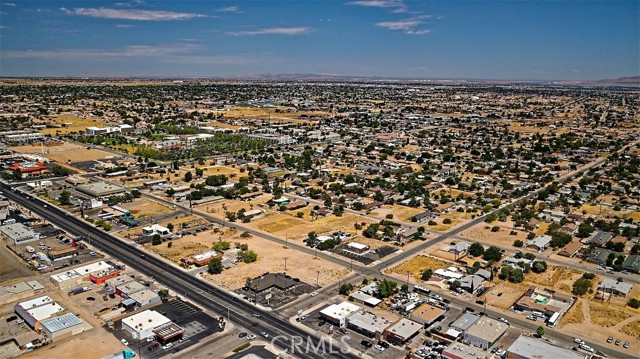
{"x":150,"y":339}
{"x":167,"y":346}
{"x":255,"y":324}
{"x":576,"y":340}
{"x":153,"y":346}
{"x":531,"y":317}
{"x":504,"y":320}
{"x":264,"y":334}
{"x":313,"y":294}
{"x":586,"y":347}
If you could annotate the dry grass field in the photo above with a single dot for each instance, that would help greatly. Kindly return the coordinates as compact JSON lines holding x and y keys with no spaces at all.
{"x":76,"y":124}
{"x":142,"y":208}
{"x":556,"y":277}
{"x":402,"y":213}
{"x":575,"y":314}
{"x":505,"y":294}
{"x":632,"y":329}
{"x":605,"y":315}
{"x":271,"y":258}
{"x":65,"y":152}
{"x":270,"y":114}
{"x":417,"y":264}
{"x":482,"y":233}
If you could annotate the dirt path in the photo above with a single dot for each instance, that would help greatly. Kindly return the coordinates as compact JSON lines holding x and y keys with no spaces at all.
{"x":585,"y":311}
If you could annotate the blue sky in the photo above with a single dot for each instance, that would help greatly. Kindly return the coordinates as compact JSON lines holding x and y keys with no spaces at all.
{"x":545,"y":40}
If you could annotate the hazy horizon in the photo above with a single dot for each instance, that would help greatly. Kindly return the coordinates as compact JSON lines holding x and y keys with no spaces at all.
{"x":438,"y":40}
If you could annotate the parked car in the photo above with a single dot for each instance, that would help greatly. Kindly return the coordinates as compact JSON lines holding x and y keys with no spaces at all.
{"x":367,"y":344}
{"x":575,"y":340}
{"x":242,"y":335}
{"x":343,"y":330}
{"x":167,"y":346}
{"x":618,"y":342}
{"x":251,"y":337}
{"x":610,"y":339}
{"x":531,"y":317}
{"x":626,"y":345}
{"x":379,"y":348}
{"x":124,"y":342}
{"x":383,"y":344}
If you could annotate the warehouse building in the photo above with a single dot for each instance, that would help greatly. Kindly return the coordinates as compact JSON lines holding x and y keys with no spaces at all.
{"x":145,"y":298}
{"x":465,"y":322}
{"x":532,"y":348}
{"x":37,"y":309}
{"x":368,"y":324}
{"x":141,"y":325}
{"x":100,"y":189}
{"x":19,"y":233}
{"x":485,"y":332}
{"x":459,"y":350}
{"x":427,"y":314}
{"x":401,"y":331}
{"x":78,"y":275}
{"x":62,"y":326}
{"x":338,"y":313}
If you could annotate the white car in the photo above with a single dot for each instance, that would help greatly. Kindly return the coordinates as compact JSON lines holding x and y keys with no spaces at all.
{"x":167,"y":346}
{"x":313,"y":294}
{"x":379,"y":348}
{"x":586,"y":347}
{"x":578,"y":341}
{"x":504,"y":320}
{"x":251,"y":337}
{"x":149,"y":340}
{"x":124,"y":342}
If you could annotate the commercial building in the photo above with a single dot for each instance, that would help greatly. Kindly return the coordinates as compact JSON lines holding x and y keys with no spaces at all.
{"x":337,"y":314}
{"x":532,"y":348}
{"x":127,"y":289}
{"x":202,"y":259}
{"x":19,"y":233}
{"x":368,"y":324}
{"x":72,"y":277}
{"x":459,"y":350}
{"x":62,"y":326}
{"x":401,"y":331}
{"x":141,"y":325}
{"x":37,"y":309}
{"x":100,"y":189}
{"x":427,"y":314}
{"x":485,"y":332}
{"x":465,"y":321}
{"x":25,"y":137}
{"x":18,"y":291}
{"x":168,"y":332}
{"x":102,"y":276}
{"x":156,"y":229}
{"x":145,"y":298}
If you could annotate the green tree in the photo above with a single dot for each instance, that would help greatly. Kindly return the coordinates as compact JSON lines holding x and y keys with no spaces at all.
{"x":188,"y":176}
{"x":163,"y":294}
{"x":426,"y":274}
{"x":518,"y":243}
{"x":539,"y":266}
{"x":492,"y":253}
{"x":454,"y":285}
{"x":345,"y":288}
{"x":65,"y":197}
{"x":476,"y":249}
{"x":634,"y":303}
{"x":156,"y":239}
{"x":249,"y":256}
{"x":215,"y":266}
{"x":581,"y":286}
{"x":221,"y":246}
{"x":386,"y":288}
{"x":540,"y":331}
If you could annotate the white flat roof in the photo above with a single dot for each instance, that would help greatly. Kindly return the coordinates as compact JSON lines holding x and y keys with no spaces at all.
{"x":36,"y":302}
{"x":405,"y":328}
{"x":45,"y":311}
{"x":64,"y":276}
{"x":93,"y":267}
{"x":148,"y":319}
{"x":205,"y":255}
{"x":357,"y":245}
{"x":340,"y":311}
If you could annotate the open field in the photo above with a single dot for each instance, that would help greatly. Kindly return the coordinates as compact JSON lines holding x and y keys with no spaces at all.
{"x":12,"y":267}
{"x":632,"y":329}
{"x":277,"y":222}
{"x":556,"y":277}
{"x":575,"y":314}
{"x":605,"y":315}
{"x":505,"y":294}
{"x":417,"y":264}
{"x":222,"y":170}
{"x":402,"y":213}
{"x":65,"y":152}
{"x":142,"y":208}
{"x":482,"y":233}
{"x":271,"y":258}
{"x":269,"y":114}
{"x":76,"y":124}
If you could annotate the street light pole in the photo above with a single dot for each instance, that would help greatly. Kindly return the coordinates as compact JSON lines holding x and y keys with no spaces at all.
{"x":317,"y":276}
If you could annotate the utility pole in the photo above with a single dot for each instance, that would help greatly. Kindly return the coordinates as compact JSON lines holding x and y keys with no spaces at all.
{"x":285,"y":264}
{"x":317,"y":277}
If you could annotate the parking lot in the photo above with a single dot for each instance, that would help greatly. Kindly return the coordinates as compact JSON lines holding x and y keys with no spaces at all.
{"x":197,"y":325}
{"x":353,"y":339}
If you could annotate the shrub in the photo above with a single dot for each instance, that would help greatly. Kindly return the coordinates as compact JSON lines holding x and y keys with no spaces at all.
{"x":581,"y":286}
{"x":588,"y":276}
{"x":495,"y":229}
{"x":447,"y":221}
{"x":518,"y":243}
{"x":634,"y":303}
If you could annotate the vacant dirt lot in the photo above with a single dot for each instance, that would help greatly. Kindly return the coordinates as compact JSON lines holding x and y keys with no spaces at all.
{"x":402,"y":213}
{"x":417,"y":264}
{"x":271,"y":258}
{"x":11,"y":267}
{"x":556,"y":277}
{"x":65,"y":152}
{"x":632,"y":329}
{"x":482,"y":233}
{"x":76,"y":124}
{"x":143,"y":208}
{"x":505,"y":294}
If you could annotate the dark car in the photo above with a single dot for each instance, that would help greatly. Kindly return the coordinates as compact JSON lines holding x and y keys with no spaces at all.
{"x":383,"y":344}
{"x":242,"y":335}
{"x":255,"y":324}
{"x":427,"y":343}
{"x":366,"y":344}
{"x":343,"y":330}
{"x":321,"y":323}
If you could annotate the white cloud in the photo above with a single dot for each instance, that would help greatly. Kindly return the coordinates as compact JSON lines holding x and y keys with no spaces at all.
{"x":229,"y":9}
{"x":397,"y":6}
{"x":127,"y":52}
{"x":8,"y":4}
{"x":124,"y":26}
{"x":408,"y":26}
{"x":131,"y":14}
{"x":290,"y":31}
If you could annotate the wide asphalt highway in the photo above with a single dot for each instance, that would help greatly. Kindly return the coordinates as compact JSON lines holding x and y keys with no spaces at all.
{"x":179,"y":281}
